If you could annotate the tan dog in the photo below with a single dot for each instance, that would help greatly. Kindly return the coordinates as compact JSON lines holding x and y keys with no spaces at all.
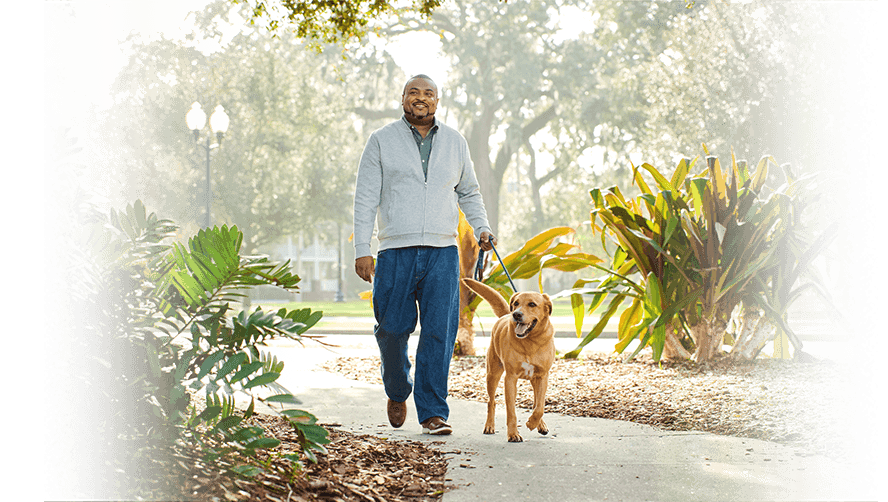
{"x":522,"y":345}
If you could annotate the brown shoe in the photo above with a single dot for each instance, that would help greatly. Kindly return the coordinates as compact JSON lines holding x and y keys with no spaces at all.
{"x":397,"y":413}
{"x":436,"y":427}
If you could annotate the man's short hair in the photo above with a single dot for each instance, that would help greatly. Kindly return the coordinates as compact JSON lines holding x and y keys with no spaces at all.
{"x":422,"y":76}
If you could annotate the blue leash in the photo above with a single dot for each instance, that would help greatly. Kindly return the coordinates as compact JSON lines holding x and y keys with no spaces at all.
{"x":479,"y":265}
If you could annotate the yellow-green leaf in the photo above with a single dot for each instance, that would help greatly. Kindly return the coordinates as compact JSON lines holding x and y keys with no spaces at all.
{"x":661,"y":180}
{"x":638,"y":180}
{"x":579,"y":311}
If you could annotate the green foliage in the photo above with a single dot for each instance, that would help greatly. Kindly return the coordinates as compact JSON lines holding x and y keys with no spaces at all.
{"x":543,"y":251}
{"x":325,"y":21}
{"x":165,"y":313}
{"x":811,"y":220}
{"x":689,"y":249}
{"x":286,"y":163}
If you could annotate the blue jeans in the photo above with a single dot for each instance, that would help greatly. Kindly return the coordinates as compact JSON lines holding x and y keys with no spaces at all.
{"x":405,"y":278}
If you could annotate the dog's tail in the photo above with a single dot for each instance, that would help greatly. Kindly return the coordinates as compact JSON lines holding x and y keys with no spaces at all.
{"x":499,"y":304}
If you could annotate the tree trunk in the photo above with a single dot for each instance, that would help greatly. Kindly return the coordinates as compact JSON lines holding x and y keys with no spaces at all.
{"x":755,"y":330}
{"x":673,"y":349}
{"x":708,"y":335}
{"x":707,"y":343}
{"x":465,"y":334}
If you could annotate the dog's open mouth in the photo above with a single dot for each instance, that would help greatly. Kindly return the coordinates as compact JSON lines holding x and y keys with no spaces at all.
{"x":523,"y":328}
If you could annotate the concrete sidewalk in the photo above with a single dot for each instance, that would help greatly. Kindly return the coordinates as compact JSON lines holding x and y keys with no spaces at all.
{"x":582,"y":459}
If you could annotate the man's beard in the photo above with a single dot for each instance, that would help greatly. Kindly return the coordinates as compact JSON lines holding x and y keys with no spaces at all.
{"x":424,"y":120}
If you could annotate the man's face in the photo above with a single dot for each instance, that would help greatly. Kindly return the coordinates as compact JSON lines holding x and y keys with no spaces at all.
{"x":420,"y":100}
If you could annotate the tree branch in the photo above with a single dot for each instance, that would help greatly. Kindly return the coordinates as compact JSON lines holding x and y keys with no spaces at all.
{"x":369,"y":114}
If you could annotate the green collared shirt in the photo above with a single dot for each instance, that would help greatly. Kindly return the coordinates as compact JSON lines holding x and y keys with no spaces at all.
{"x":424,"y":145}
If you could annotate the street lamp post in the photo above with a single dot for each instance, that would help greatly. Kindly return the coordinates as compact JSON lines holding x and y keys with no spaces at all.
{"x":340,"y":294}
{"x":196,"y":119}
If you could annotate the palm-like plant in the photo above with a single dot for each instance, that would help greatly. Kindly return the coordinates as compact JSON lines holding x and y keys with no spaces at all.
{"x":163,"y":323}
{"x":697,"y":246}
{"x":704,"y":244}
{"x":642,"y":228}
{"x":766,"y":302}
{"x":730,"y":231}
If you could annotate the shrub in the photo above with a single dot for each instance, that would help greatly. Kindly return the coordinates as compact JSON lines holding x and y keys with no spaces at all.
{"x":163,"y":328}
{"x":689,"y":250}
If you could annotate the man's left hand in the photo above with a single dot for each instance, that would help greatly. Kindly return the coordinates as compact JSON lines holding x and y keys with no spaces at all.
{"x":487,"y":241}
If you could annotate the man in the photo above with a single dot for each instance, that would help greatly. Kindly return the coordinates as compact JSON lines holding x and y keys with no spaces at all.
{"x":412,"y":176}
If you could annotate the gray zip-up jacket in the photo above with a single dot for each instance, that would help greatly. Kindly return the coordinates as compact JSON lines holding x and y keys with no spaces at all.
{"x":410,"y":209}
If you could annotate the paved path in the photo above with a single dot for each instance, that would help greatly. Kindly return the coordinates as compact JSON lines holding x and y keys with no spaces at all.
{"x":582,"y":459}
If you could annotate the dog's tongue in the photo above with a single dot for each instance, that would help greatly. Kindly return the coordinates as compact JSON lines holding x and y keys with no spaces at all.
{"x":521,"y":327}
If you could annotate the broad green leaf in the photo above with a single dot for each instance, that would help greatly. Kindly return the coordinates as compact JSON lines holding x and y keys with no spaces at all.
{"x":300,"y":417}
{"x":677,"y":306}
{"x":599,"y":327}
{"x":250,"y":409}
{"x":209,"y":362}
{"x":658,"y":340}
{"x":245,"y":434}
{"x":578,"y":307}
{"x":744,"y":276}
{"x":662,"y":182}
{"x":126,"y":224}
{"x":652,"y":295}
{"x":247,"y":471}
{"x":697,"y":188}
{"x":644,"y":343}
{"x":228,"y":422}
{"x":263,"y":443}
{"x":209,"y":413}
{"x":230,"y":364}
{"x":671,"y":225}
{"x":680,"y":173}
{"x":263,"y":379}
{"x":282,"y":398}
{"x":597,"y":197}
{"x":638,"y":180}
{"x":743,"y":172}
{"x":629,"y":325}
{"x":761,"y":173}
{"x":316,"y":434}
{"x":246,"y":370}
{"x":733,"y":186}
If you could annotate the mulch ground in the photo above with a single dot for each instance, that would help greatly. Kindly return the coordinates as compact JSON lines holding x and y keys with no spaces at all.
{"x":357,"y":467}
{"x":807,"y":405}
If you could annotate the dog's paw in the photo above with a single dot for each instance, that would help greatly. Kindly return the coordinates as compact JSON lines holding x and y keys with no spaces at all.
{"x":516,"y":438}
{"x":542,"y":429}
{"x":488,"y":429}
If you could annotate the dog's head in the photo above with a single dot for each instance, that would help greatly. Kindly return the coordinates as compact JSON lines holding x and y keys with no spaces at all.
{"x":529,"y":310}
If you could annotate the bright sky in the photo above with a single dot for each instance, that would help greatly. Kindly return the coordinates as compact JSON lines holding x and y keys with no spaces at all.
{"x":92,"y":58}
{"x":92,"y":42}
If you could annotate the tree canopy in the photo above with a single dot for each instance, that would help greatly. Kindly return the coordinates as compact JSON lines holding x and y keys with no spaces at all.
{"x":285,"y":163}
{"x":328,"y":21}
{"x":338,"y":21}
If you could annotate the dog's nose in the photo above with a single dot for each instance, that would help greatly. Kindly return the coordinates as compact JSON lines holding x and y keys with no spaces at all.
{"x":517,"y":315}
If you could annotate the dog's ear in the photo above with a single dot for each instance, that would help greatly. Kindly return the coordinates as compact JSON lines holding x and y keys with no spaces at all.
{"x":548,"y":303}
{"x":512,"y":301}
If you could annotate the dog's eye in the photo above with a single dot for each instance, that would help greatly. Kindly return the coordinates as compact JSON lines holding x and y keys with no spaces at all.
{"x":532,"y":305}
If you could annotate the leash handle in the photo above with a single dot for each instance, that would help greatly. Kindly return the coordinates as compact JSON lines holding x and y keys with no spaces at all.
{"x":479,"y":266}
{"x":514,"y":289}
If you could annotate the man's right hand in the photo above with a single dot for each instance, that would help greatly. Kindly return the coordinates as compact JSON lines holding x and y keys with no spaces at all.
{"x":365,"y":268}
